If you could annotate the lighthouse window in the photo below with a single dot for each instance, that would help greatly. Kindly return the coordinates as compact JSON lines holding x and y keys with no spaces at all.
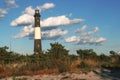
{"x":37,"y":11}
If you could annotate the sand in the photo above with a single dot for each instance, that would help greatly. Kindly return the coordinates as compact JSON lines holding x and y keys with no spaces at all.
{"x":92,"y":75}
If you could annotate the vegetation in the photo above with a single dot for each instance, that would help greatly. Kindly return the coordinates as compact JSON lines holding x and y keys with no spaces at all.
{"x":55,"y":60}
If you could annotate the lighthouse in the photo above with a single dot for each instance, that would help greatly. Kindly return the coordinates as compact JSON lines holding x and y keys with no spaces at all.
{"x":37,"y":33}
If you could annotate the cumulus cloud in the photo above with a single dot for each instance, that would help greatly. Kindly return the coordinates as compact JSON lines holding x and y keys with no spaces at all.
{"x":89,"y":33}
{"x":91,"y":40}
{"x":25,"y":19}
{"x":85,"y":40}
{"x":53,"y":34}
{"x":81,"y":29}
{"x":2,"y":12}
{"x":70,"y":14}
{"x":25,"y":32}
{"x":8,"y":3}
{"x":93,"y":31}
{"x":50,"y":27}
{"x":72,"y":39}
{"x":59,"y":21}
{"x":48,"y":24}
{"x":46,"y":6}
{"x":29,"y":10}
{"x":27,"y":16}
{"x":86,"y":37}
{"x":11,"y":3}
{"x":28,"y":31}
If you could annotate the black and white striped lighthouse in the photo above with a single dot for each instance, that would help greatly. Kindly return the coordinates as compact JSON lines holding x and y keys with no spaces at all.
{"x":37,"y":33}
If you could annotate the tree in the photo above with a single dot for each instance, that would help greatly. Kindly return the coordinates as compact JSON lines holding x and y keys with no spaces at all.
{"x":57,"y":51}
{"x":73,"y":57}
{"x":59,"y":56}
{"x":113,"y":53}
{"x":103,"y":58}
{"x":87,"y":53}
{"x":3,"y":50}
{"x":114,"y":57}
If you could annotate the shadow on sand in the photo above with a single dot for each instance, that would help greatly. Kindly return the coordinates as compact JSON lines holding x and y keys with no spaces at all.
{"x":109,"y":73}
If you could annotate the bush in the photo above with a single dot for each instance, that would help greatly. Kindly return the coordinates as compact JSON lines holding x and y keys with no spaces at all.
{"x":47,"y":71}
{"x":83,"y":65}
{"x":14,"y":78}
{"x":2,"y":69}
{"x":62,"y":68}
{"x":5,"y":74}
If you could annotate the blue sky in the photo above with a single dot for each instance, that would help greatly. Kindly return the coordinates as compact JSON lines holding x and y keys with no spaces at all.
{"x":78,"y":24}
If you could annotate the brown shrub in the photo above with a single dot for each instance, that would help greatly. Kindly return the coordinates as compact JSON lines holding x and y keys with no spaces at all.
{"x":27,"y":72}
{"x":5,"y":74}
{"x":2,"y":69}
{"x":47,"y":71}
{"x":91,"y":62}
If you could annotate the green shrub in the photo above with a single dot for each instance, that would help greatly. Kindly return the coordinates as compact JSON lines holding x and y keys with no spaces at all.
{"x":14,"y":78}
{"x":83,"y":65}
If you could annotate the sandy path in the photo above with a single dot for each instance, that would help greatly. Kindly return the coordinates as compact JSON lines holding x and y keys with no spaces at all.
{"x":93,"y":75}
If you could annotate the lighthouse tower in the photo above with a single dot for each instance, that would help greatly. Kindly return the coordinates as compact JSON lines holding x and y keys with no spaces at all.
{"x":37,"y":33}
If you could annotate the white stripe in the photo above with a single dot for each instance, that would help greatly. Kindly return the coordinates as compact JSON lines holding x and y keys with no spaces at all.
{"x":37,"y":34}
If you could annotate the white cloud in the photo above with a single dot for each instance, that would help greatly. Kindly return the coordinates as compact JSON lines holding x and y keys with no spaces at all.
{"x":50,"y":23}
{"x":70,"y":14}
{"x":101,"y":39}
{"x":8,"y":3}
{"x":91,"y":40}
{"x":25,"y":19}
{"x":72,"y":39}
{"x":59,"y":21}
{"x":85,"y":40}
{"x":86,"y":37}
{"x":27,"y":16}
{"x":11,"y":3}
{"x":82,"y":29}
{"x":29,"y":10}
{"x":93,"y":31}
{"x":53,"y":34}
{"x":46,"y":6}
{"x":2,"y":13}
{"x":25,"y":32}
{"x":28,"y":31}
